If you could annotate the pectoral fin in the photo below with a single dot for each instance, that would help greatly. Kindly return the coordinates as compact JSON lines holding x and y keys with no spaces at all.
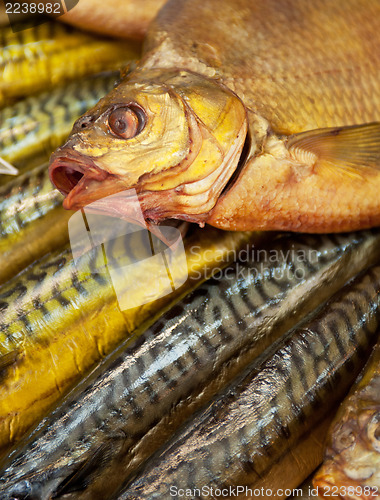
{"x":351,"y":151}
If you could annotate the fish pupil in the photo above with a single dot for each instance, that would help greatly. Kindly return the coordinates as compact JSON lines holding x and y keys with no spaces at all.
{"x":127,"y":121}
{"x":121,"y":125}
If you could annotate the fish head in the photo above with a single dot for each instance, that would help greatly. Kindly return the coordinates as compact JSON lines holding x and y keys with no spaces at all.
{"x":173,"y":137}
{"x":352,"y":466}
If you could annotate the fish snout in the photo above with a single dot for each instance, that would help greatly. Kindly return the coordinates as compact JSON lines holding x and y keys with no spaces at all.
{"x":69,"y":171}
{"x":82,"y":123}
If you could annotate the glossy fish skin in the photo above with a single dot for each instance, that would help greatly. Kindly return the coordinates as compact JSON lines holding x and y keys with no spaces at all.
{"x":237,"y":437}
{"x":352,"y":458}
{"x":311,"y":127}
{"x":32,"y":221}
{"x":154,"y":384}
{"x":32,"y":128}
{"x":79,"y":301}
{"x":46,"y":55}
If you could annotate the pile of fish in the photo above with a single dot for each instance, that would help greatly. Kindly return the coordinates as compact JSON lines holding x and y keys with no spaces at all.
{"x":228,"y":385}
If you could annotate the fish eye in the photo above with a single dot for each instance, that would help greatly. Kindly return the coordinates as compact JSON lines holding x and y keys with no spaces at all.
{"x":126,"y":121}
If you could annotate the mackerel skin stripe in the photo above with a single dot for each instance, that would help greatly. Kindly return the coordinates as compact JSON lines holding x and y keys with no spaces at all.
{"x":41,"y":57}
{"x":297,"y":462}
{"x":58,"y":319}
{"x":238,"y":437}
{"x":32,"y":221}
{"x":13,"y":41}
{"x":135,"y":399}
{"x":32,"y":128}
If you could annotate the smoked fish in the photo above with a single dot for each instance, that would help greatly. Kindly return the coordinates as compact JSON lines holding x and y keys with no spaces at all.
{"x":192,"y":351}
{"x":59,"y":317}
{"x":115,"y":419}
{"x":351,"y":469}
{"x":32,"y":220}
{"x":44,"y":56}
{"x":243,"y":115}
{"x":282,"y":395}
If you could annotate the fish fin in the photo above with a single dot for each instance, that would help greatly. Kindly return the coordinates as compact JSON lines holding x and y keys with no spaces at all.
{"x":84,"y":473}
{"x":352,"y":151}
{"x":79,"y":479}
{"x":7,"y":168}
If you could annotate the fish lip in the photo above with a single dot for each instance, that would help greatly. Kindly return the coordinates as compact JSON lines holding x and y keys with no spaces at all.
{"x":74,"y":175}
{"x":69,"y":170}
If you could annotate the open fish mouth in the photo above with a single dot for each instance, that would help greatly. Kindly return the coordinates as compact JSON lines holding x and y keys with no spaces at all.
{"x":84,"y":185}
{"x":87,"y":186}
{"x":78,"y":179}
{"x":65,"y":175}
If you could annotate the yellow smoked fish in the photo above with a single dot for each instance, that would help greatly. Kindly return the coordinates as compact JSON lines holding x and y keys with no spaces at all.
{"x":242,"y":114}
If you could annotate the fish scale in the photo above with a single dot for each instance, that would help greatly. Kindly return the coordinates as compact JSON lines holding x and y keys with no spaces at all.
{"x":210,"y":335}
{"x":268,"y":403}
{"x":283,"y":69}
{"x":277,"y":124}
